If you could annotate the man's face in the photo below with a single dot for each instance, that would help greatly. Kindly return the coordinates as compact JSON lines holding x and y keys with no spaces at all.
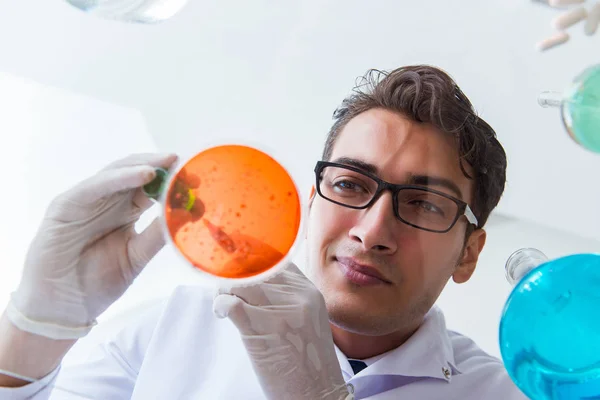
{"x":415,"y":264}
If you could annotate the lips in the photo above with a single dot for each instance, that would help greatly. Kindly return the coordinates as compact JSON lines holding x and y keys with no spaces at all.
{"x":360,"y":274}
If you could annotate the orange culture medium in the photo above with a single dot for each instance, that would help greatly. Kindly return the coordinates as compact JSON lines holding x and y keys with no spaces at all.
{"x":233,"y":211}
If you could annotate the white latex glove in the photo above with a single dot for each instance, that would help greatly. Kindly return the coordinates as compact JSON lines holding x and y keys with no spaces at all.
{"x":285,"y":329}
{"x":86,"y":252}
{"x":572,"y":12}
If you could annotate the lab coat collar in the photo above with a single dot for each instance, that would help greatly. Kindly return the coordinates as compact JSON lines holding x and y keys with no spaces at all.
{"x":427,"y":353}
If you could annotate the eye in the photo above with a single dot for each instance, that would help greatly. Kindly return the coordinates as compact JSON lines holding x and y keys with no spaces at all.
{"x":347,"y":185}
{"x":428,"y":207}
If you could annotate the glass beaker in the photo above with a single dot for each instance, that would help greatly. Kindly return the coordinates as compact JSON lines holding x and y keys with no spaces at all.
{"x":550,"y":326}
{"x":140,"y":11}
{"x":580,"y":108}
{"x":232,"y":211}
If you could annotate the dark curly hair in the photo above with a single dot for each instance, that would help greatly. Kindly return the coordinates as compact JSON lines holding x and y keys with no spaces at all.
{"x":429,"y":95}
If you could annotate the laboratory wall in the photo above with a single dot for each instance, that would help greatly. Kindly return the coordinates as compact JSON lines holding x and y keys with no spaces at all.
{"x":52,"y":139}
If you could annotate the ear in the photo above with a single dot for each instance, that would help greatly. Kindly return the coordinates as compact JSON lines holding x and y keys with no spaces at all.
{"x":471,"y":252}
{"x":311,"y":196}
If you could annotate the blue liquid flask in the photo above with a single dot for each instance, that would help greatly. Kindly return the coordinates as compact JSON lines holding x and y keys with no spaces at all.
{"x":550,"y":326}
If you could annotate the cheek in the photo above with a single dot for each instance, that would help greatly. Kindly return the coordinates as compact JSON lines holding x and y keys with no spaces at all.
{"x":428,"y":259}
{"x":327,"y":223}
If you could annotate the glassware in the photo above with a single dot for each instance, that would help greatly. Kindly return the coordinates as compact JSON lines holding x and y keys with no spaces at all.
{"x":580,"y":108}
{"x":550,"y":326}
{"x":232,"y":211}
{"x":140,"y":11}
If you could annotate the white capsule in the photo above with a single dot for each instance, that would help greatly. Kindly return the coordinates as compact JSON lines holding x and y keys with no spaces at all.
{"x":562,"y":3}
{"x":593,"y":19}
{"x":553,"y":41}
{"x":570,"y":18}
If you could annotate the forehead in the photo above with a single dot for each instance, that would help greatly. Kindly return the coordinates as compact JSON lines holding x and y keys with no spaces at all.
{"x":401,"y":148}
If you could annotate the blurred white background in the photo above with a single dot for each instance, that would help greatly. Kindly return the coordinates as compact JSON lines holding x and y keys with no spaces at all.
{"x":77,"y":92}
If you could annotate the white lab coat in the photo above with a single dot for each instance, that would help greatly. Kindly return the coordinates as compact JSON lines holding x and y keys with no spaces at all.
{"x":180,"y":350}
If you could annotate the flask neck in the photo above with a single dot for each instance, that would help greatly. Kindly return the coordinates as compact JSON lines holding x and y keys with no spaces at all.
{"x":550,"y":99}
{"x":521,"y":262}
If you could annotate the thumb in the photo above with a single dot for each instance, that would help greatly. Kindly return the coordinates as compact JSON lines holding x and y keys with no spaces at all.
{"x":111,"y":181}
{"x":228,"y":305}
{"x":142,"y":247}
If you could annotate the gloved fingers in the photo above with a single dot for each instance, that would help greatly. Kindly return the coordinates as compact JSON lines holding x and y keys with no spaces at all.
{"x":150,"y":159}
{"x":293,"y":268}
{"x":290,"y":273}
{"x":141,"y":201}
{"x":259,"y":328}
{"x":142,"y":247}
{"x":253,"y":295}
{"x":256,"y":292}
{"x":111,"y":181}
{"x":232,"y":307}
{"x":259,"y":322}
{"x":254,"y":320}
{"x":288,"y":285}
{"x":259,"y":344}
{"x":284,"y":288}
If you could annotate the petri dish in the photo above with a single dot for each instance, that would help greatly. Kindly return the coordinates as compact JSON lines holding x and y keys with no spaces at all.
{"x":232,"y":211}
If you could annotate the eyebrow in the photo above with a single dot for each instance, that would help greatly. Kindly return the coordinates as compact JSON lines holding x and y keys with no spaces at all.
{"x":353,"y":162}
{"x":420,"y":180}
{"x":425,"y":180}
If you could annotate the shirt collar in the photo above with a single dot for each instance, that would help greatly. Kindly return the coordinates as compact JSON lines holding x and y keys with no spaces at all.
{"x":427,"y":353}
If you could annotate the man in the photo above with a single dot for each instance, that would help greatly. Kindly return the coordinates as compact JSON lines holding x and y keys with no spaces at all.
{"x":408,"y":179}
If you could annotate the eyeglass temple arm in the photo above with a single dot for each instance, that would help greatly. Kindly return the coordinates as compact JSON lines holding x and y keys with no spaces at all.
{"x":470,"y":216}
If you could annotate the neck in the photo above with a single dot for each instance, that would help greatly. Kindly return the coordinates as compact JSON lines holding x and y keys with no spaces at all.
{"x":360,"y":347}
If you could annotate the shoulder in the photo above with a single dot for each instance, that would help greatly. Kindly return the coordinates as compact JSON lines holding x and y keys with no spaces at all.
{"x":468,"y":355}
{"x":485,"y":373}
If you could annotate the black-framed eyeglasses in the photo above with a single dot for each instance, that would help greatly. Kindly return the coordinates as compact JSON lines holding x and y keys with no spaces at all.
{"x":417,"y":206}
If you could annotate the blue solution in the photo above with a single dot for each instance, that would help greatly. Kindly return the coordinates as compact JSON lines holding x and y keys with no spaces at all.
{"x":550,"y":330}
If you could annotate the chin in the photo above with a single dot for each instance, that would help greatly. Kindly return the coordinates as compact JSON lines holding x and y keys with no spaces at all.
{"x":352,"y":315}
{"x":363,"y":325}
{"x":358,"y":315}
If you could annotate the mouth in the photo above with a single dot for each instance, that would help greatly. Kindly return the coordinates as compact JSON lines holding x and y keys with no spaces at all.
{"x":360,"y":274}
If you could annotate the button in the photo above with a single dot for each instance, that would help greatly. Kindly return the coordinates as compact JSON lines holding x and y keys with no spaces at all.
{"x":446,"y":372}
{"x":350,"y":388}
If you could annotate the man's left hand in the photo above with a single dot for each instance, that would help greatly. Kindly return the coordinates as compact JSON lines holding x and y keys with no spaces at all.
{"x":285,"y":328}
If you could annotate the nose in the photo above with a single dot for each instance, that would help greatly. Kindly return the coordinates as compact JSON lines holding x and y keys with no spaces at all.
{"x":374,"y":229}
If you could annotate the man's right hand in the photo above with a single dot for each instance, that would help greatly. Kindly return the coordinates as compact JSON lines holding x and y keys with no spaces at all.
{"x":86,"y":252}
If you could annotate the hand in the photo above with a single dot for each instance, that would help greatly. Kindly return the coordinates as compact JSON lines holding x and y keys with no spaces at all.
{"x":86,"y":252}
{"x":285,"y":329}
{"x":588,"y":17}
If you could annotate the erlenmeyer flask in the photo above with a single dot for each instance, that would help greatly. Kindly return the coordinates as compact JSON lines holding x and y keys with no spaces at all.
{"x":550,"y":326}
{"x":141,"y":11}
{"x":580,"y":108}
{"x":232,"y":211}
